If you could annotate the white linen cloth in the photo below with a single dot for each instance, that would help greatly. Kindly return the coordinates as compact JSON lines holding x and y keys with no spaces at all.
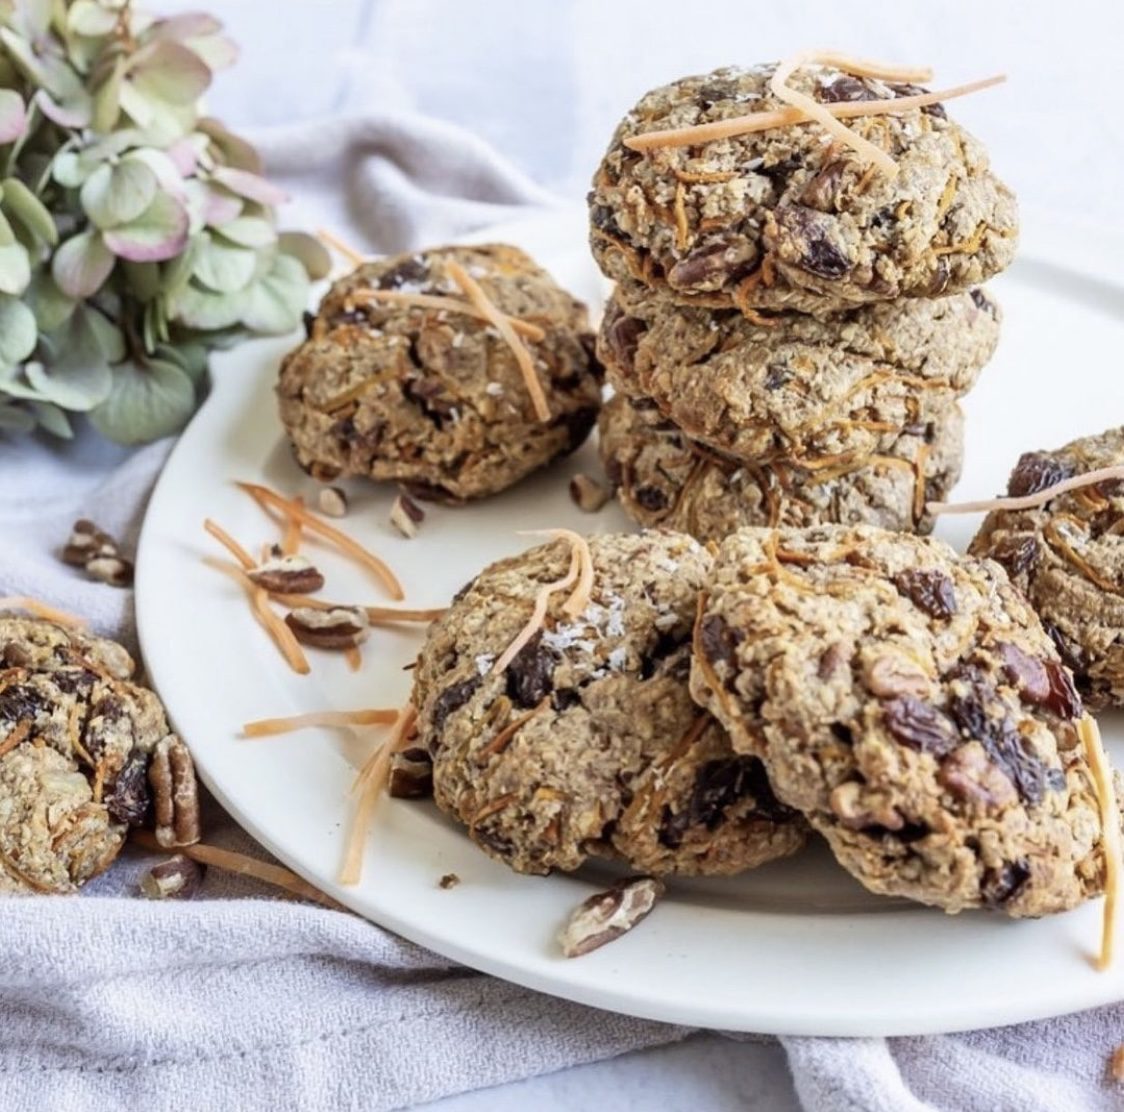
{"x":242,"y":999}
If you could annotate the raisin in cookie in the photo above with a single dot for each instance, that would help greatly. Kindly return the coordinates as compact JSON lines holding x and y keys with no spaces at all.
{"x":663,"y":478}
{"x":785,"y":218}
{"x":85,"y":753}
{"x":432,"y":397}
{"x":909,"y":703}
{"x":1067,"y":556}
{"x":803,"y":389}
{"x":589,"y":742}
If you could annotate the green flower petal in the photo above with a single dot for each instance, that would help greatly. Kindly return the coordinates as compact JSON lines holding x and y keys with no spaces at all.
{"x":160,"y":232}
{"x":74,"y":386}
{"x":13,"y":116}
{"x":207,"y":311}
{"x":81,"y":265}
{"x":52,"y":308}
{"x":52,"y":419}
{"x":86,"y":17}
{"x":29,"y":211}
{"x":222,"y":267}
{"x":15,"y":268}
{"x":275,"y":303}
{"x":145,"y":403}
{"x":18,"y":330}
{"x":309,"y":251}
{"x":169,"y":71}
{"x":114,"y":195}
{"x":249,"y":231}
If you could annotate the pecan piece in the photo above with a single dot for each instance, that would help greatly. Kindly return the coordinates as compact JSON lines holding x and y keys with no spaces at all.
{"x":332,"y":501}
{"x":287,"y":575}
{"x":605,"y":916}
{"x":587,"y":494}
{"x":895,"y":674}
{"x":858,"y":809}
{"x":178,"y":878}
{"x":342,"y":627}
{"x":969,"y":774}
{"x":406,"y":515}
{"x":411,"y":774}
{"x":175,"y":793}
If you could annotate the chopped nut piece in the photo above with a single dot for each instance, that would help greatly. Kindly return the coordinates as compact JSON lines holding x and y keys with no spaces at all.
{"x":449,"y":880}
{"x":604,"y":917}
{"x":287,"y":575}
{"x":332,"y":501}
{"x":894,"y":673}
{"x":411,"y":774}
{"x":340,"y":628}
{"x":114,"y":570}
{"x":1116,"y":1064}
{"x":81,"y":544}
{"x":588,"y":494}
{"x":406,"y":515}
{"x":178,"y":878}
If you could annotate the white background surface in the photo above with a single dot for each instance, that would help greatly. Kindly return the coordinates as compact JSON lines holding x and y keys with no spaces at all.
{"x":546,"y":81}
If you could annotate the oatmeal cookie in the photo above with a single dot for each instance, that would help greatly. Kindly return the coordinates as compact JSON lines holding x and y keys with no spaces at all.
{"x":804,"y":390}
{"x":787,"y":219}
{"x":81,"y":753}
{"x":589,"y":742}
{"x":1067,"y":556}
{"x":663,"y":478}
{"x":433,"y":398}
{"x":909,"y":703}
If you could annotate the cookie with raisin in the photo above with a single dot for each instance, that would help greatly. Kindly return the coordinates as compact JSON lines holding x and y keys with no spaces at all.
{"x":1067,"y":556}
{"x":664,"y":478}
{"x":817,"y":393}
{"x":909,"y":703}
{"x":786,"y":218}
{"x":588,"y":743}
{"x":401,"y":379}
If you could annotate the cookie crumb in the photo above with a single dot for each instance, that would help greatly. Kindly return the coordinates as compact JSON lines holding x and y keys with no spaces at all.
{"x":449,"y":880}
{"x":1116,"y":1064}
{"x":406,"y":515}
{"x":332,"y":501}
{"x":588,"y":494}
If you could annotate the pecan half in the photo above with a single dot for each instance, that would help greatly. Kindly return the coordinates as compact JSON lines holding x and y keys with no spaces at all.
{"x":175,"y":793}
{"x":342,"y":627}
{"x":287,"y":575}
{"x":604,"y":917}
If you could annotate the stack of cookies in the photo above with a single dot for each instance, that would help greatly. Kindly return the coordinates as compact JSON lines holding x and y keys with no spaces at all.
{"x":792,"y":325}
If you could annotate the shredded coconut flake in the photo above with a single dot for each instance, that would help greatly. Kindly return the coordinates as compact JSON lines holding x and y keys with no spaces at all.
{"x":484,"y":662}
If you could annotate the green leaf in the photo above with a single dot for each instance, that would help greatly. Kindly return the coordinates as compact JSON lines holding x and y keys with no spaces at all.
{"x":114,"y":195}
{"x":89,"y":18}
{"x":52,"y":419}
{"x":74,"y":386}
{"x":309,"y":251}
{"x":52,"y":308}
{"x":275,"y":303}
{"x":82,"y":264}
{"x":249,"y":231}
{"x":199,"y":308}
{"x":145,"y":403}
{"x":29,"y":211}
{"x":169,"y":71}
{"x":15,"y":268}
{"x":223,"y":268}
{"x":18,"y":330}
{"x":160,"y":232}
{"x":13,"y":116}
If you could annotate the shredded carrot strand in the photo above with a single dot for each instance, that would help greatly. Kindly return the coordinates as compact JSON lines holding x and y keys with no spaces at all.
{"x":229,"y":543}
{"x":786,"y":117}
{"x":41,"y":610}
{"x":273,"y":625}
{"x":291,"y":538}
{"x":369,"y":784}
{"x":269,"y":499}
{"x":446,"y":304}
{"x":337,"y":244}
{"x":475,"y":294}
{"x":271,"y":727}
{"x":1101,"y":772}
{"x":579,"y":598}
{"x":538,"y":613}
{"x":354,"y":658}
{"x":815,"y":111}
{"x":375,"y":614}
{"x":1030,"y":501}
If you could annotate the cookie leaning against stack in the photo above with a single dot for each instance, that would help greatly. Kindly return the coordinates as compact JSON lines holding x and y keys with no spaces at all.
{"x":795,"y":312}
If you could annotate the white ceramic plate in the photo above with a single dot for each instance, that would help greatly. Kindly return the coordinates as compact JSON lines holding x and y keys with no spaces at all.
{"x":796,"y":947}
